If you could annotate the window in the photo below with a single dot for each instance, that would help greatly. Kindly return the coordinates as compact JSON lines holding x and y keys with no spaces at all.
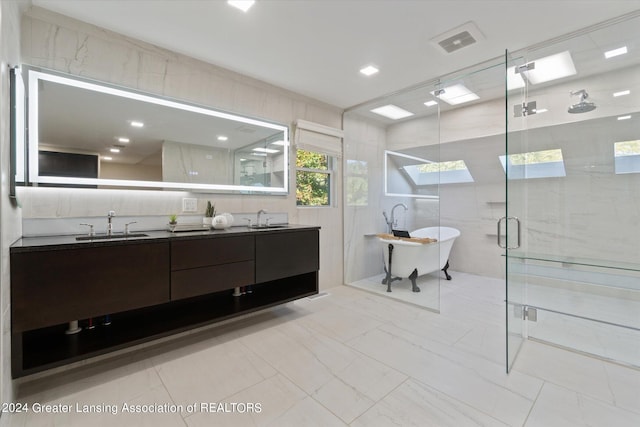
{"x":313,"y":178}
{"x":627,"y":156}
{"x":534,"y":164}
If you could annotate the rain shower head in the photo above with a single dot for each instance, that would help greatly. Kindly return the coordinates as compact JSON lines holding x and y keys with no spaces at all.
{"x":583,"y":106}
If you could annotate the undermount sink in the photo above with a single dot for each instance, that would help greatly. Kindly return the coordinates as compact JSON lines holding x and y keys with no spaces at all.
{"x":264,"y":227}
{"x":113,"y":236}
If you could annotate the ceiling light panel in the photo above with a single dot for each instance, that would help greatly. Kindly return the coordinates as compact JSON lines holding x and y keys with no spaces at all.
{"x":456,"y":94}
{"x":621,"y":93}
{"x":615,"y":52}
{"x":369,"y":70}
{"x":392,"y":112}
{"x":266,"y":150}
{"x":431,"y":103}
{"x":136,"y":124}
{"x":243,"y":5}
{"x":551,"y":68}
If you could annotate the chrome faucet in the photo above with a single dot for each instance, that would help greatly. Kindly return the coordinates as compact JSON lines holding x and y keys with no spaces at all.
{"x":260,"y":212}
{"x":392,"y":222}
{"x":110,"y":215}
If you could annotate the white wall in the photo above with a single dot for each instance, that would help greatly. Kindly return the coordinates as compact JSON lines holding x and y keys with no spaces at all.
{"x":10,"y":224}
{"x":57,"y":42}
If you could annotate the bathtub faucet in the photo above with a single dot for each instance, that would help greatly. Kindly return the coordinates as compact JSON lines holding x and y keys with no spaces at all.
{"x":392,"y":222}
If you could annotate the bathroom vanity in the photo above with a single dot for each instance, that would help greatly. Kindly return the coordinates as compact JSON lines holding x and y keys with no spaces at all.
{"x":149,"y":286}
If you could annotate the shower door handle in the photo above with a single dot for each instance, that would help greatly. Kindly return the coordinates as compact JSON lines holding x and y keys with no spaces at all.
{"x":506,"y":219}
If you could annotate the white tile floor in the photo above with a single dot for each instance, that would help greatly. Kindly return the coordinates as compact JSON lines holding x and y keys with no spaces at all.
{"x":351,"y":358}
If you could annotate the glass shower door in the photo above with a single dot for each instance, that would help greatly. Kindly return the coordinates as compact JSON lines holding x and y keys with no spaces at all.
{"x":572,"y":167}
{"x":509,"y":227}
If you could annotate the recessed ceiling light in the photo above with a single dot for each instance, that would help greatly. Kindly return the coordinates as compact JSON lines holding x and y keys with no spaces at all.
{"x":222,"y":138}
{"x":369,"y":70}
{"x":551,"y":68}
{"x":455,"y":94}
{"x":243,"y":5}
{"x":624,"y":117}
{"x":431,"y":103}
{"x":622,"y":93}
{"x":392,"y":112}
{"x":136,"y":124}
{"x":123,"y":140}
{"x":114,"y":150}
{"x":279,"y":143}
{"x":266,"y":150}
{"x":540,"y":110}
{"x":243,"y":160}
{"x":107,"y":158}
{"x":615,"y":52}
{"x":259,"y":154}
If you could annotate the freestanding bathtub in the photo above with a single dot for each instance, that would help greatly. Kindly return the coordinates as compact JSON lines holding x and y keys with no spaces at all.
{"x":406,"y":258}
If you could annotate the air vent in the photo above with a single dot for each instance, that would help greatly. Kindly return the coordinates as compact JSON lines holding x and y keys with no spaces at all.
{"x":457,"y":41}
{"x":460,"y":37}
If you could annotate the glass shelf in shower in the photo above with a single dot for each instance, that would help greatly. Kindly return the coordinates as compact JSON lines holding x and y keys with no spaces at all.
{"x":577,"y":261}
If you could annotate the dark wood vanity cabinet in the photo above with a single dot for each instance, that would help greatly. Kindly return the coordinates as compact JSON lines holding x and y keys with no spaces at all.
{"x":57,"y":286}
{"x":150,"y":288}
{"x":286,"y":254}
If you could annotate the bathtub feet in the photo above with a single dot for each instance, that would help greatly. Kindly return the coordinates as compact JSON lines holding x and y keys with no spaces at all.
{"x":446,"y":274}
{"x":413,"y":278}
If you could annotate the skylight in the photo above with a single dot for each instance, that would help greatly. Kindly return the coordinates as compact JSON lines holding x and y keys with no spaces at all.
{"x":450,"y":172}
{"x":392,"y":112}
{"x":627,"y":156}
{"x":551,"y":68}
{"x":455,"y":94}
{"x":534,"y":164}
{"x":542,"y":70}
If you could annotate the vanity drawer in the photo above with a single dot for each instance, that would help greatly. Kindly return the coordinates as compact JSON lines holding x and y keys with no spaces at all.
{"x":205,"y":252}
{"x":206,"y":280}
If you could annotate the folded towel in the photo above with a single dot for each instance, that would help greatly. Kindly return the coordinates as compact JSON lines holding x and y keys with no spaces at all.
{"x":422,"y":240}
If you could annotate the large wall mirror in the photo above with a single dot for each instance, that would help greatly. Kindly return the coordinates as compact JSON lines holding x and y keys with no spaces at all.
{"x":91,"y":134}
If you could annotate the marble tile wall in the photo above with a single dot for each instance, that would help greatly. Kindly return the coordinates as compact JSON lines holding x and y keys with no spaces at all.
{"x":58,"y":42}
{"x":10,"y":225}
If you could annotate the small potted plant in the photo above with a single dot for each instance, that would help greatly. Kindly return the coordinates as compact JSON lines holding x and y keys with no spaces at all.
{"x":209,"y":213}
{"x":173,"y":221}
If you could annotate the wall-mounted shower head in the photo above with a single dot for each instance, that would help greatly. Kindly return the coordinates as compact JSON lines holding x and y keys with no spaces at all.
{"x":583,"y":106}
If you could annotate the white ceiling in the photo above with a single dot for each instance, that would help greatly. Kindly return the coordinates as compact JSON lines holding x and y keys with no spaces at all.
{"x":316,"y":47}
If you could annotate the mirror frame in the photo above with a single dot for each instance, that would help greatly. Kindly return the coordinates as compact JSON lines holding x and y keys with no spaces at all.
{"x":32,"y":177}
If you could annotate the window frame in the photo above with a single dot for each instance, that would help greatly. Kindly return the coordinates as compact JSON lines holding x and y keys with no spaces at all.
{"x":330,"y":172}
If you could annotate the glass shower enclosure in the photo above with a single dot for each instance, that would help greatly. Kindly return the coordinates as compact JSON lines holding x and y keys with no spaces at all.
{"x":572,"y":167}
{"x":544,"y":161}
